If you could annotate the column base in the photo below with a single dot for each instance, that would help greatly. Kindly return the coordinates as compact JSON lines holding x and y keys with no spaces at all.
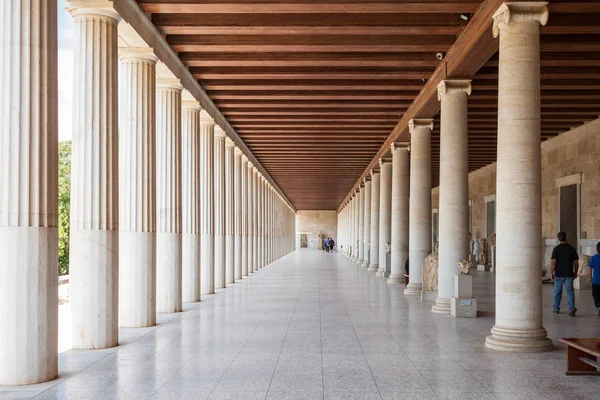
{"x":518,"y":340}
{"x":413,"y":289}
{"x":396,"y":279}
{"x":382,"y":272}
{"x":441,"y":306}
{"x":373,"y":268}
{"x":365,"y":264}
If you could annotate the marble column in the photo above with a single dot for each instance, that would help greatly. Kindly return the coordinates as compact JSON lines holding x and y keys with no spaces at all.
{"x":191,"y":189}
{"x":385,"y":215}
{"x":168,"y":196}
{"x":355,"y":237}
{"x":454,"y":188}
{"x":28,"y":192}
{"x":255,"y":218}
{"x":367,"y":222}
{"x":244,"y":206}
{"x":352,"y":244}
{"x":259,"y":220}
{"x":400,"y":199}
{"x":94,"y":238}
{"x":420,"y":201}
{"x":229,"y":212}
{"x":361,"y":224}
{"x":207,"y":198}
{"x":238,"y":207}
{"x":137,"y":188}
{"x":219,"y":208}
{"x":250,"y":218}
{"x":519,"y":325}
{"x":374,"y":234}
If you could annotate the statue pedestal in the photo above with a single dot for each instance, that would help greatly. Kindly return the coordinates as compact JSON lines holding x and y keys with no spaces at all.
{"x":582,"y":282}
{"x":463,"y":305}
{"x":428,"y":297}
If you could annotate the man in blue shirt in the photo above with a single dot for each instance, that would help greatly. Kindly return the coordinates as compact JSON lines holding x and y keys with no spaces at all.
{"x":594,"y":265}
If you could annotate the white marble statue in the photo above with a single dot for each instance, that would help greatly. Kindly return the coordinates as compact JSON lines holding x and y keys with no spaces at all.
{"x":430,"y":273}
{"x":483,"y":251}
{"x":388,"y":248}
{"x":465,"y":267}
{"x":476,"y":249}
{"x":471,"y":244}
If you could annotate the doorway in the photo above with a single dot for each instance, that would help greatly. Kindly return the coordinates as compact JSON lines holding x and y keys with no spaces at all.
{"x":569,"y":212}
{"x":303,"y":241}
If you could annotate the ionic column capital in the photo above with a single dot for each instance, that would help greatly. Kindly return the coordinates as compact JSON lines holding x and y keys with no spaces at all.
{"x":417,"y":123}
{"x":219,"y":132}
{"x":451,"y":86}
{"x":400,"y":146}
{"x":168,"y":84}
{"x":137,"y":54}
{"x":529,"y":11}
{"x":206,"y":119}
{"x":383,"y":161}
{"x":103,"y":9}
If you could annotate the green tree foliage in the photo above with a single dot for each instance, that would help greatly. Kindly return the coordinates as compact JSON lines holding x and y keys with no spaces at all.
{"x":64,"y":207}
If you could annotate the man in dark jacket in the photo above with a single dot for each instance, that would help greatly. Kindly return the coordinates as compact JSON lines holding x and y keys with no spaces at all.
{"x":564,"y":271}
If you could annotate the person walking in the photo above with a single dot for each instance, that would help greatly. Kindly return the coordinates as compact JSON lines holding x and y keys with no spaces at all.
{"x":594,"y":266}
{"x":564,"y":270}
{"x":327,"y":245}
{"x":331,"y":245}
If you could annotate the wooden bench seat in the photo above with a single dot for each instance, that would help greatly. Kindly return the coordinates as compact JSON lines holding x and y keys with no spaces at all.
{"x":582,"y":356}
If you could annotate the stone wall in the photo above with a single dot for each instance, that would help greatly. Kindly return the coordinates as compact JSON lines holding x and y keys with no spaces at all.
{"x":574,"y":152}
{"x":312,"y":222}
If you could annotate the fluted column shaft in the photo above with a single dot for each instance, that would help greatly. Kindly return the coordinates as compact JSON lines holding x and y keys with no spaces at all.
{"x":237,"y":210}
{"x":367,"y":221}
{"x":168,"y":197}
{"x":400,"y":199}
{"x":361,"y":223}
{"x":385,"y":215}
{"x":519,"y":325}
{"x":191,"y":194}
{"x":28,"y":192}
{"x":420,"y":201}
{"x":137,"y":188}
{"x":244,"y":207}
{"x":454,"y":188}
{"x":259,"y":221}
{"x":207,"y":200}
{"x":374,"y":222}
{"x":250,"y":218}
{"x":255,"y":219}
{"x":229,"y":212}
{"x":219,"y":208}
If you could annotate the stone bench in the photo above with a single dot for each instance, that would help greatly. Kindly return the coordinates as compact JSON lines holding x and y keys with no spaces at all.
{"x":582,"y":356}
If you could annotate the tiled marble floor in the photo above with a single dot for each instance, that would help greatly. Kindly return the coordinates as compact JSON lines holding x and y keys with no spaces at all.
{"x":316,"y":326}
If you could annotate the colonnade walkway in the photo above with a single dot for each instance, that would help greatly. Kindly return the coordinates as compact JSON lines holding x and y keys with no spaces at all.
{"x":315,"y":325}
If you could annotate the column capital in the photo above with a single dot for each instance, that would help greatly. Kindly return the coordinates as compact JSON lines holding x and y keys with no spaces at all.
{"x":169,"y":84}
{"x":230,"y":143}
{"x":206,"y":119}
{"x":254,"y":170}
{"x":450,"y":86}
{"x":366,"y":179}
{"x":383,"y":161}
{"x":416,"y":123}
{"x":138,"y":54}
{"x":219,"y":132}
{"x":529,"y":11}
{"x":374,"y":171}
{"x":400,"y":146}
{"x":90,"y":8}
{"x":250,"y":165}
{"x":244,"y":157}
{"x":191,"y":105}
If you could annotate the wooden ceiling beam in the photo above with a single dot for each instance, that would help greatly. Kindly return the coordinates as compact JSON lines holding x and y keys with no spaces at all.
{"x":324,"y":7}
{"x":326,"y":48}
{"x":274,"y":30}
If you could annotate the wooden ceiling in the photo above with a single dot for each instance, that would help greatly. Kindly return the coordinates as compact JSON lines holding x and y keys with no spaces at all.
{"x":315,"y":87}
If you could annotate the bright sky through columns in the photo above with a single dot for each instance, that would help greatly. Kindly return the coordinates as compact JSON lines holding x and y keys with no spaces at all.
{"x":66,"y":44}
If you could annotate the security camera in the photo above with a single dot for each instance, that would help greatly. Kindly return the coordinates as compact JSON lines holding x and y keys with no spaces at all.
{"x":440,"y":56}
